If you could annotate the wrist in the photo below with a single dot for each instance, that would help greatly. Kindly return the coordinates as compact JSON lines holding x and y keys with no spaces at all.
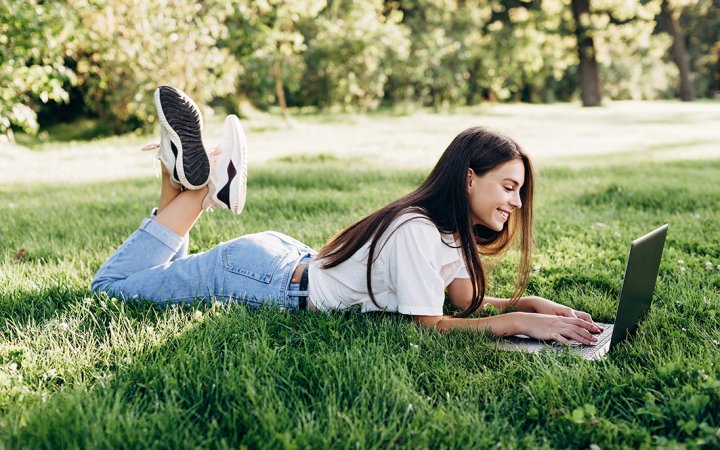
{"x":506,"y":324}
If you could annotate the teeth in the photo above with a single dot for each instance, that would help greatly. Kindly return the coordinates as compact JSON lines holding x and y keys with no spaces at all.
{"x":504,"y":214}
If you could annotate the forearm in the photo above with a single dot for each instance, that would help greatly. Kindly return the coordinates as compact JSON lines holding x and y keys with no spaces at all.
{"x":523,"y":304}
{"x":500,"y":325}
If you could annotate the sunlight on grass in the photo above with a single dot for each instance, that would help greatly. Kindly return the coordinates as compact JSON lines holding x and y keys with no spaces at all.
{"x":90,"y":371}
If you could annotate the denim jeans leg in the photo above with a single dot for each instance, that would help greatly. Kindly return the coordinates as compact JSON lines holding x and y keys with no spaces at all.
{"x":149,"y":265}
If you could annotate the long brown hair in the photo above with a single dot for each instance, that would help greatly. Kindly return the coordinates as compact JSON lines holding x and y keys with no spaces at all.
{"x":443,"y":198}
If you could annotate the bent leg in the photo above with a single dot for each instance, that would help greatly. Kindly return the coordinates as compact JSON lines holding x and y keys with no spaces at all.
{"x":145,"y":267}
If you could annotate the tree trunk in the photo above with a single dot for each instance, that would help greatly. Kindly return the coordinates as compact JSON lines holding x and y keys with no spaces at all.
{"x":679,"y":51}
{"x":589,"y":74}
{"x":279,"y":88}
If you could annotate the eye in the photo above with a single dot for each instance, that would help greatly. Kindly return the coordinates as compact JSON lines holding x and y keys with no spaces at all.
{"x":509,"y":188}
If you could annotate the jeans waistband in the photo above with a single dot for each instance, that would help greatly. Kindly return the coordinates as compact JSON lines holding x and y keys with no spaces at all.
{"x":300,"y":290}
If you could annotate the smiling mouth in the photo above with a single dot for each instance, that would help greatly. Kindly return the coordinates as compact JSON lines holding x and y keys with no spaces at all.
{"x":503,"y":213}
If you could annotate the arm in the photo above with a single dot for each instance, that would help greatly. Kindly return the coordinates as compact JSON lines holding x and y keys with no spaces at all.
{"x":538,"y":326}
{"x":460,"y":292}
{"x":536,"y":317}
{"x":502,"y":325}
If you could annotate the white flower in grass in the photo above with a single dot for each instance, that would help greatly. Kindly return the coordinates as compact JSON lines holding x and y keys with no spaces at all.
{"x":680,"y":261}
{"x":198,"y":314}
{"x":537,"y":268}
{"x":682,"y":269}
{"x":217,"y":304}
{"x":409,"y":408}
{"x":716,"y":342}
{"x":414,"y":346}
{"x":718,"y":267}
{"x":63,"y":326}
{"x":49,"y":375}
{"x":150,"y":330}
{"x":708,"y":265}
{"x":88,"y":300}
{"x":12,"y":205}
{"x":12,"y":368}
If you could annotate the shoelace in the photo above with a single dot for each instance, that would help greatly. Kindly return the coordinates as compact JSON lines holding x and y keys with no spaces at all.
{"x":213,"y":157}
{"x":150,"y":147}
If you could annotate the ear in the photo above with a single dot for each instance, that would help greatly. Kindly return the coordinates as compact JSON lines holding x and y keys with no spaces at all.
{"x":470,"y":175}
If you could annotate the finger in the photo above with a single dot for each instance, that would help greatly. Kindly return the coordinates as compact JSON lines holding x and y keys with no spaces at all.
{"x":581,"y":335}
{"x":559,"y":338}
{"x":587,"y":318}
{"x":583,"y":315}
{"x":583,"y":323}
{"x":569,"y":312}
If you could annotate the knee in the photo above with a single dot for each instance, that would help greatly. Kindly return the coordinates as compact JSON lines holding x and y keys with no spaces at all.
{"x":100,"y":284}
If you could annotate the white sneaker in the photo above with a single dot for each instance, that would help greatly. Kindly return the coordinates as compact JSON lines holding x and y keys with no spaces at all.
{"x":181,"y":148}
{"x":174,"y":182}
{"x":227,"y":187}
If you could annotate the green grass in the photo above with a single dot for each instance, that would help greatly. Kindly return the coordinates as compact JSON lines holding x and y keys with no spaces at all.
{"x":78,"y":370}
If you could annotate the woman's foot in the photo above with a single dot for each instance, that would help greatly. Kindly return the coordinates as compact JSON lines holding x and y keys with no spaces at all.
{"x":227,"y":187}
{"x":181,"y":148}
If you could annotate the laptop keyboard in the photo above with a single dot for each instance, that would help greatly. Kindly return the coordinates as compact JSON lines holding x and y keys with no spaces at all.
{"x":602,"y":339}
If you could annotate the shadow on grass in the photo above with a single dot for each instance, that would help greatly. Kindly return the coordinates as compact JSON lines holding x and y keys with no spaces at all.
{"x":235,"y":377}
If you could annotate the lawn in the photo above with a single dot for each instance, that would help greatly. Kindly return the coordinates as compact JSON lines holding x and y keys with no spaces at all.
{"x":79,"y":370}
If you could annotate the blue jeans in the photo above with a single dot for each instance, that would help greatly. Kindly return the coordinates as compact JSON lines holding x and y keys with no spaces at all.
{"x":153,"y":264}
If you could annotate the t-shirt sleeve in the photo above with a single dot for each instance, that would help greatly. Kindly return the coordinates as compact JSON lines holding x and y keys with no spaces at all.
{"x":462,"y":271}
{"x":415,"y":271}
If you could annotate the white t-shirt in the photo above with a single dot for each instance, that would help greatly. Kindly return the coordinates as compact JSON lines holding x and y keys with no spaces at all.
{"x":410,"y":273}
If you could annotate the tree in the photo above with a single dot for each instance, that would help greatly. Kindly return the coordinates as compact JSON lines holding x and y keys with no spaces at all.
{"x":591,"y":92}
{"x":700,"y":22}
{"x":352,"y":48}
{"x":266,"y":41}
{"x":35,"y":38}
{"x":127,"y":49}
{"x":680,"y":55}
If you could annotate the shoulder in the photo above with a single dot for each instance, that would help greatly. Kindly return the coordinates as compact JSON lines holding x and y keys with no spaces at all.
{"x":416,"y":224}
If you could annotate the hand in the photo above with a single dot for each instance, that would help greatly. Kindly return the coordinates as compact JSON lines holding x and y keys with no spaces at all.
{"x":554,"y":327}
{"x":544,"y":306}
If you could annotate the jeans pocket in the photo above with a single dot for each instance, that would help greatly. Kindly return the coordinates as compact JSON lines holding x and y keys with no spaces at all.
{"x":256,"y":256}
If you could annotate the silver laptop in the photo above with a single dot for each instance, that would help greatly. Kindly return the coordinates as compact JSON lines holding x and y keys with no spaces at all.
{"x":635,"y":298}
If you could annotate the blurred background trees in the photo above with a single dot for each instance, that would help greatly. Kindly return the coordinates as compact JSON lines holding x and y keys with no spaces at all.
{"x":103,"y":58}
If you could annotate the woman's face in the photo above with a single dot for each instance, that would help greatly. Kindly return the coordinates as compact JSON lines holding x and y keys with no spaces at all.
{"x":494,"y":196}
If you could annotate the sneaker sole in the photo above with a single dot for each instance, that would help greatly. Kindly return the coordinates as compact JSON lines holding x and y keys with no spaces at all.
{"x":184,"y":129}
{"x":234,"y":181}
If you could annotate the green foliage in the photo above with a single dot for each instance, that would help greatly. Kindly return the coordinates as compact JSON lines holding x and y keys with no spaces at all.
{"x":111,"y":54}
{"x":351,"y":51}
{"x":700,"y":20}
{"x":127,"y":49}
{"x":34,"y":39}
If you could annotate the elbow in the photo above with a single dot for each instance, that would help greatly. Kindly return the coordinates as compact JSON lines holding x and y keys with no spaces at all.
{"x":431,"y":322}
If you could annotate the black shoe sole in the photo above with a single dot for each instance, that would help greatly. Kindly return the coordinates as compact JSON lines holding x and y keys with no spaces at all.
{"x":184,"y":119}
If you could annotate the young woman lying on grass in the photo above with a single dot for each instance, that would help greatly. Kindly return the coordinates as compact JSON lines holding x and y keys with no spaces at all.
{"x":475,"y":202}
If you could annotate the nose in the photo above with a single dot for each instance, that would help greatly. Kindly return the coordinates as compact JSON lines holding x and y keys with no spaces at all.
{"x":515,"y":201}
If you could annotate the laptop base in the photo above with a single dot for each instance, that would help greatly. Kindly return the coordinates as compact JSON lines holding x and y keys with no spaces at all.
{"x":589,"y":352}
